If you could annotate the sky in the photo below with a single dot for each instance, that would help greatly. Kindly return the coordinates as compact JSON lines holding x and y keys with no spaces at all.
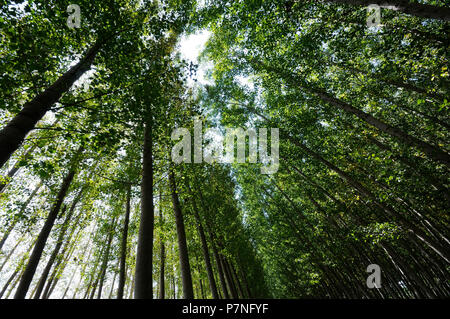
{"x":190,"y":48}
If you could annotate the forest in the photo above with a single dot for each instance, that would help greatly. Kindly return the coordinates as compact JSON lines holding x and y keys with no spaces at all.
{"x":100,"y":199}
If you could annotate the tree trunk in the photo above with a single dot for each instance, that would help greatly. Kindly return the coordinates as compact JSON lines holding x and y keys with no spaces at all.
{"x":59,"y":243}
{"x":22,"y":209}
{"x":209,"y":270}
{"x":42,"y":238}
{"x":144,"y":257}
{"x":15,"y":168}
{"x":123,"y":254}
{"x":162,"y":253}
{"x":13,"y":134}
{"x":188,"y":292}
{"x":105,"y":258}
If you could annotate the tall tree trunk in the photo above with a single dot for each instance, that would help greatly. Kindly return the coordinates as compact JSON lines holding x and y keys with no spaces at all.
{"x":404,"y":6}
{"x":61,"y":263}
{"x":215,"y":252}
{"x":162,"y":253}
{"x":431,"y":151}
{"x":123,"y":254}
{"x":16,"y":168}
{"x":105,"y":258}
{"x":22,"y":209}
{"x":13,"y":134}
{"x":144,"y":257}
{"x":188,"y":291}
{"x":11,"y":252}
{"x":228,"y":277}
{"x":42,"y":238}
{"x":70,"y":283}
{"x":112,"y":286}
{"x":209,"y":270}
{"x":59,"y":243}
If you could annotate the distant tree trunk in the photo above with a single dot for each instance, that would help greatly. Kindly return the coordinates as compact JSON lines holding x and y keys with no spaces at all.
{"x":13,"y":134}
{"x":209,"y":270}
{"x":42,"y":238}
{"x":112,"y":286}
{"x":105,"y":258}
{"x":22,"y":209}
{"x":214,"y":248}
{"x":418,"y":233}
{"x":229,"y":277}
{"x":188,"y":291}
{"x":123,"y":255}
{"x":144,"y":257}
{"x":16,"y":168}
{"x":70,"y":283}
{"x":162,"y":253}
{"x":59,"y":243}
{"x":61,"y":264}
{"x":405,"y":6}
{"x":431,"y":151}
{"x":11,"y":252}
{"x":13,"y":275}
{"x":238,"y":282}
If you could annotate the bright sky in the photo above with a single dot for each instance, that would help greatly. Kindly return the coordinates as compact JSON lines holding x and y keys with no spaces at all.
{"x":190,"y":48}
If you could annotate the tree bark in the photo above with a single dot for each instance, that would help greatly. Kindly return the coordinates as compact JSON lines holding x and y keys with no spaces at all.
{"x":205,"y":249}
{"x":123,"y":254}
{"x":22,"y":209}
{"x":42,"y":238}
{"x":13,"y":134}
{"x":144,"y":257}
{"x":162,"y":253}
{"x":105,"y":258}
{"x":188,"y":292}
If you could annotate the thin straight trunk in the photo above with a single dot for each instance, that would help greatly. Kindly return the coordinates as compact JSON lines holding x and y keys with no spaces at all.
{"x":112,"y":286}
{"x":105,"y":258}
{"x":215,"y":252}
{"x":13,"y":134}
{"x":238,"y":283}
{"x":59,"y":243}
{"x":22,"y":209}
{"x":85,"y":261}
{"x":144,"y":256}
{"x":42,"y":238}
{"x":14,"y":284}
{"x":221,"y":272}
{"x":162,"y":253}
{"x":123,"y":255}
{"x":188,"y":292}
{"x":431,"y":151}
{"x":70,"y":283}
{"x":133,"y":282}
{"x":205,"y":249}
{"x":418,"y":233}
{"x":229,"y":278}
{"x":11,"y":252}
{"x":60,"y":266}
{"x":404,"y":6}
{"x":16,"y":168}
{"x":11,"y":278}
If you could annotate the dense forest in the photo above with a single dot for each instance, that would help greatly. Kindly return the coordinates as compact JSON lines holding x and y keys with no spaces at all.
{"x":93,"y":205}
